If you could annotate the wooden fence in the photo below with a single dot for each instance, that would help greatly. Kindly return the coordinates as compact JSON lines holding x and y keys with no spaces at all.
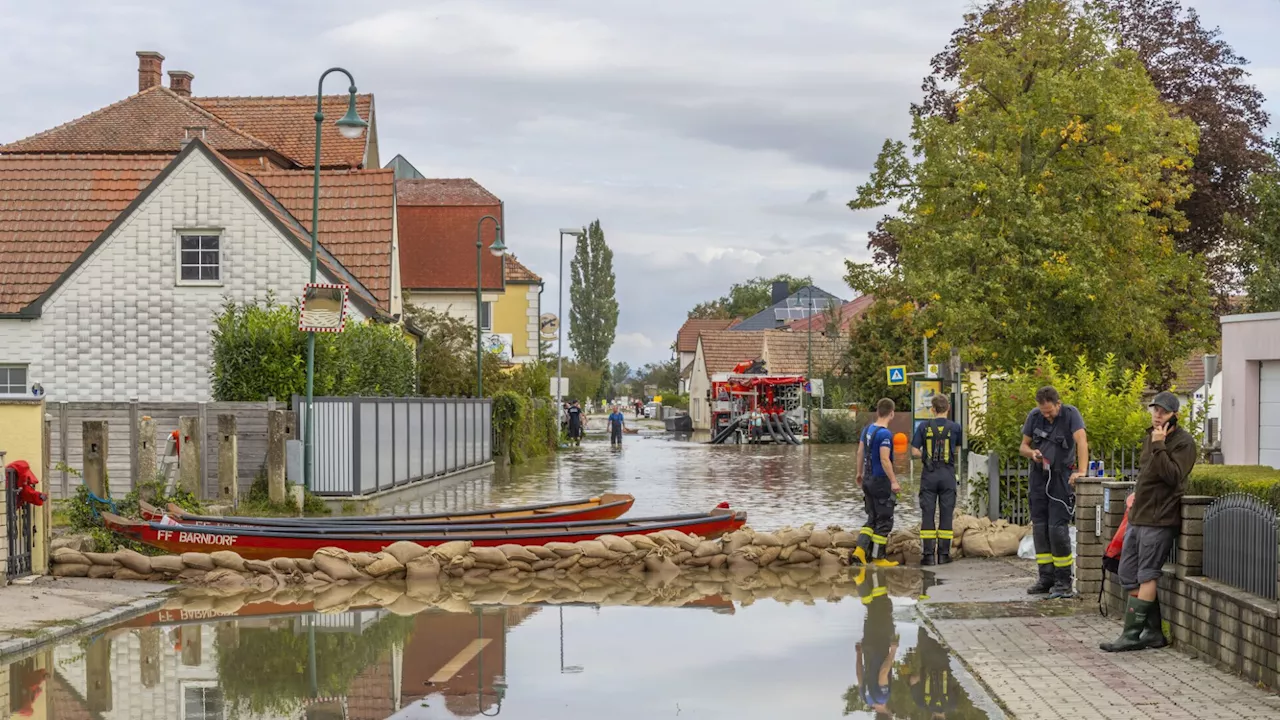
{"x":66,"y":444}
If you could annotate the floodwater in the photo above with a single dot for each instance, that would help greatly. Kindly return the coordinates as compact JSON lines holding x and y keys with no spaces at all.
{"x":776,"y":646}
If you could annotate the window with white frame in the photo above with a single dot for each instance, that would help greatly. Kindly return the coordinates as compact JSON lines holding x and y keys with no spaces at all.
{"x":13,"y":379}
{"x":199,"y":258}
{"x":201,"y":701}
{"x":486,"y":316}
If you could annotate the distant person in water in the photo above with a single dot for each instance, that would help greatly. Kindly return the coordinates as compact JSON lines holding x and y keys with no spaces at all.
{"x":616,"y":419}
{"x":575,"y":423}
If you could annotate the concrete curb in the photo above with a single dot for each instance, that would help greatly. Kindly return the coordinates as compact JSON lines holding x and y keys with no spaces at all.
{"x":23,"y":646}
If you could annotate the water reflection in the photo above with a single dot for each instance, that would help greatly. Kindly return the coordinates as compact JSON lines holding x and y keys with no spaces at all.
{"x":569,"y":660}
{"x":776,"y":485}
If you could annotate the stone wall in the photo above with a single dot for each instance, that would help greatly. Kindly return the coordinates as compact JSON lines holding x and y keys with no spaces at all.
{"x":1220,"y":624}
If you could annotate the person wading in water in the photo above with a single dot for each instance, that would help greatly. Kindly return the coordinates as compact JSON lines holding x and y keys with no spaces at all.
{"x":879,"y":485}
{"x":575,"y":423}
{"x":616,"y":419}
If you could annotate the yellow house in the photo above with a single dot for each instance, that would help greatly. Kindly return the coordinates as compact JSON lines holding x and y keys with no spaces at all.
{"x":517,"y":309}
{"x":22,"y":438}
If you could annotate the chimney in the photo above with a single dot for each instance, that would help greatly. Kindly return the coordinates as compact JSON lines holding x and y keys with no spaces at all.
{"x":149,"y":62}
{"x":180,"y":82}
{"x":781,"y":291}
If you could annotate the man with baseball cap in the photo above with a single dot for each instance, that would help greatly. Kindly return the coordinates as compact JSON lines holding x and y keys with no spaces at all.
{"x":1168,"y":454}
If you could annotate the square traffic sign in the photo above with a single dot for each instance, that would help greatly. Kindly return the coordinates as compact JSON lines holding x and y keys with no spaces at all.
{"x":897,"y":374}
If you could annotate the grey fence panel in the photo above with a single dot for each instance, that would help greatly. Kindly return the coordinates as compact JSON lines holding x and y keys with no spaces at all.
{"x":1240,"y":544}
{"x":470,"y":443}
{"x":451,"y":436}
{"x":414,"y":443}
{"x":1009,"y":487}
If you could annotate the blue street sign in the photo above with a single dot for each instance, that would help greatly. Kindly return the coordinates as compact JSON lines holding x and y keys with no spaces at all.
{"x":897,"y":374}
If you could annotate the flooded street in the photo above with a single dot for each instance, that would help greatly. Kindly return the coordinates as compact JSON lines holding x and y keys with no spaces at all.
{"x":773,"y":645}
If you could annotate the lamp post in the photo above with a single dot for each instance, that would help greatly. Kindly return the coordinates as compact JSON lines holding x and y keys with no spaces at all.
{"x":560,"y":321}
{"x":351,"y":127}
{"x":498,"y":249}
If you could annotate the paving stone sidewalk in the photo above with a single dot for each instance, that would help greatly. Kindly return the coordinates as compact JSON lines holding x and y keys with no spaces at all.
{"x":1049,"y":667}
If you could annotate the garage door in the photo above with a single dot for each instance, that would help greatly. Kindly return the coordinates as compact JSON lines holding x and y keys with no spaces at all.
{"x":1269,"y":414}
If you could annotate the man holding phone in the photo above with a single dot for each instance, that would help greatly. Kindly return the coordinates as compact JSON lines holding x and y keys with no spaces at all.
{"x":1168,"y":454}
{"x":1054,"y":439}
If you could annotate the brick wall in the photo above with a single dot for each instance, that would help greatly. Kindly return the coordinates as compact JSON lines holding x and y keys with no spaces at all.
{"x":122,"y":326}
{"x":1219,"y":624}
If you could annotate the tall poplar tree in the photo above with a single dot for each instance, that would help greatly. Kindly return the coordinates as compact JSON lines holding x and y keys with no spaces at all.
{"x":594,"y":312}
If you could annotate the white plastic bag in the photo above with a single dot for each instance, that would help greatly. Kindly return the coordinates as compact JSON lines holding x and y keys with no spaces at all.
{"x":1027,"y":548}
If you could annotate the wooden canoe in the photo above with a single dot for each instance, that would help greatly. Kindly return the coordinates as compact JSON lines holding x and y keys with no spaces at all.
{"x":608,"y":506}
{"x":262,"y":543}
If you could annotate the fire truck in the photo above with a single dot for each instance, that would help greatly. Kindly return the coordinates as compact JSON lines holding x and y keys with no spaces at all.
{"x":779,"y":397}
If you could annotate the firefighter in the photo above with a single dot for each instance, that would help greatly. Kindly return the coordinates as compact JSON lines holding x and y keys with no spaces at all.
{"x":878,"y":647}
{"x":933,"y":687}
{"x":1054,"y":439}
{"x":879,"y":485}
{"x":935,"y":442}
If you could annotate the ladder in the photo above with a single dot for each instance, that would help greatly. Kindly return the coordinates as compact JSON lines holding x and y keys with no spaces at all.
{"x":169,"y":463}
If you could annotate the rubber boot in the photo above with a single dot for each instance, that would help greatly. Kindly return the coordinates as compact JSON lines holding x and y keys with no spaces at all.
{"x":1062,"y":584}
{"x":1153,"y":632}
{"x":929,"y":549}
{"x":860,"y":550}
{"x":1045,"y":583}
{"x":1135,"y":621}
{"x":881,"y":559}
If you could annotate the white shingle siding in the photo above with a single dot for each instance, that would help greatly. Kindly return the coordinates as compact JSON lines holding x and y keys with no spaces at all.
{"x":121,"y":327}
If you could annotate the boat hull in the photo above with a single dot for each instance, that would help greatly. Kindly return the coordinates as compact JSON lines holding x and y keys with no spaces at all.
{"x":267,"y":543}
{"x":609,"y":506}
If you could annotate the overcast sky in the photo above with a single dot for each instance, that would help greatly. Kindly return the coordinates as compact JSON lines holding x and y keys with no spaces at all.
{"x":715,"y":140}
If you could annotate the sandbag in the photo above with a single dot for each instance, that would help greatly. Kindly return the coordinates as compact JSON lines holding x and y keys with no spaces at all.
{"x":491,"y":556}
{"x":518,"y":553}
{"x":642,"y":542}
{"x":288,"y":566}
{"x":736,"y":540}
{"x":124,"y":573}
{"x":198,"y":561}
{"x":71,"y":570}
{"x":404,"y":551}
{"x":102,"y":571}
{"x":564,"y":549}
{"x":134,"y":560}
{"x":168,"y":564}
{"x":192,"y":574}
{"x":820,"y":539}
{"x":361,"y":560}
{"x":260,"y":567}
{"x":766,"y":540}
{"x":596,"y":549}
{"x":305,"y":565}
{"x":446,"y":552}
{"x":338,"y":569}
{"x":617,"y":544}
{"x":681,"y":540}
{"x":769,"y":555}
{"x":384,"y":566}
{"x":706,"y":548}
{"x":67,"y":555}
{"x":424,"y":568}
{"x":542,"y":552}
{"x":108,"y":559}
{"x":227,"y":559}
{"x":844,"y":539}
{"x":792,"y":536}
{"x":801,"y":556}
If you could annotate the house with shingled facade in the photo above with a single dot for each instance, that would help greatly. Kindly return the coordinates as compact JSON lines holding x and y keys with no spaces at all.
{"x":123,"y":232}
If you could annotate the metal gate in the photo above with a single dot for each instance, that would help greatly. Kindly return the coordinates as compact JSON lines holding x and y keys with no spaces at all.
{"x":1240,"y":548}
{"x":20,"y":520}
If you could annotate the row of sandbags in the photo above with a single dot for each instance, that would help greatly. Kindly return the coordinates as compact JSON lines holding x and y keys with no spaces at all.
{"x":742,"y":552}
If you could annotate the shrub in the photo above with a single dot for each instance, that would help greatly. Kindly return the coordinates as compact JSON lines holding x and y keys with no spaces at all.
{"x":835,"y":428}
{"x":1259,"y":481}
{"x":258,"y":501}
{"x":82,"y":511}
{"x":1109,"y":399}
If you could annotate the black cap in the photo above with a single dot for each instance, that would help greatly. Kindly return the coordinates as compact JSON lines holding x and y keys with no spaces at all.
{"x":1166,"y":400}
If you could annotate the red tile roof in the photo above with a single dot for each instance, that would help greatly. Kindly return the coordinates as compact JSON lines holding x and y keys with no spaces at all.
{"x":515,"y":272}
{"x":152,"y":121}
{"x":52,"y":207}
{"x":438,"y":192}
{"x":687,"y":337}
{"x":287,"y":124}
{"x":356,"y":218}
{"x":723,"y":349}
{"x":788,"y":352}
{"x":438,"y":247}
{"x":850,"y":312}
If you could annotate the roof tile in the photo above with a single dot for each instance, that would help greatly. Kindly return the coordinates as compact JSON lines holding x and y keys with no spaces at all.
{"x":513,"y":271}
{"x":849,"y":313}
{"x":440,"y":192}
{"x":687,"y":337}
{"x":723,"y":349}
{"x":287,"y":124}
{"x":52,"y":207}
{"x":438,"y":247}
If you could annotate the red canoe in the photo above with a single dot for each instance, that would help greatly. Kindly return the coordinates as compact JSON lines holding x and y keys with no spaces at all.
{"x":608,"y":506}
{"x":266,"y":543}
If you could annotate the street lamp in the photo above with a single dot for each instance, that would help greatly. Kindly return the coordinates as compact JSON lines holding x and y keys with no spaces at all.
{"x":351,"y":127}
{"x":498,"y":249}
{"x":560,"y":324}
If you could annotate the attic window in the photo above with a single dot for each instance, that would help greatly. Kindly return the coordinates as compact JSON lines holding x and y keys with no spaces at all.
{"x":199,"y":259}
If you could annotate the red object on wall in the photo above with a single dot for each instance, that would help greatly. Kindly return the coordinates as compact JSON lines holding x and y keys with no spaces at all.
{"x":26,"y":483}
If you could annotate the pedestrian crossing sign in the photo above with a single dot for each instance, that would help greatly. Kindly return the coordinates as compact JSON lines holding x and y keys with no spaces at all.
{"x":897,"y":374}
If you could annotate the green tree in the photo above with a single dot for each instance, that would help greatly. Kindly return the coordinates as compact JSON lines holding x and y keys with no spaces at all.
{"x":594,"y":311}
{"x":1260,"y":239}
{"x":747,"y":298}
{"x":665,"y":376}
{"x":884,"y":336}
{"x":1043,"y":215}
{"x":446,"y":359}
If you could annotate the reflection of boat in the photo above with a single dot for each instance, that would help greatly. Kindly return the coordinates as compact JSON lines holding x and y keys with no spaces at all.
{"x":605,"y":507}
{"x":269,"y":542}
{"x":678,"y":423}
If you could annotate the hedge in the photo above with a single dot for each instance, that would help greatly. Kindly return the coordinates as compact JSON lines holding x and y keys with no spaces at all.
{"x":1259,"y":481}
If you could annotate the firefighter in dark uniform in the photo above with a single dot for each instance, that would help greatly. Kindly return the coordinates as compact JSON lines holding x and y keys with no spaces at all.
{"x":879,"y":644}
{"x":879,"y":485}
{"x":935,"y":442}
{"x":933,"y":687}
{"x":1054,"y":439}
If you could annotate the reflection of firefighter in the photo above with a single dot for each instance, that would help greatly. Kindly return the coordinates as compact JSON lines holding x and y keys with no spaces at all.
{"x":879,"y":644}
{"x":932,"y":686}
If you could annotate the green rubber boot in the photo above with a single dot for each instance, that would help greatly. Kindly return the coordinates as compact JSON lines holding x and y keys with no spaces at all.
{"x":1153,"y":632}
{"x":1135,"y":622}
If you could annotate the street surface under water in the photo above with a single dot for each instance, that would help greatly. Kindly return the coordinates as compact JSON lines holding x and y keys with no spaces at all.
{"x":716,"y":656}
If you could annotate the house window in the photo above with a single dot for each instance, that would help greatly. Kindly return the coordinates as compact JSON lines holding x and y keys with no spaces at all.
{"x":202,"y":703}
{"x":199,"y":258}
{"x":13,"y":379}
{"x":486,"y":316}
